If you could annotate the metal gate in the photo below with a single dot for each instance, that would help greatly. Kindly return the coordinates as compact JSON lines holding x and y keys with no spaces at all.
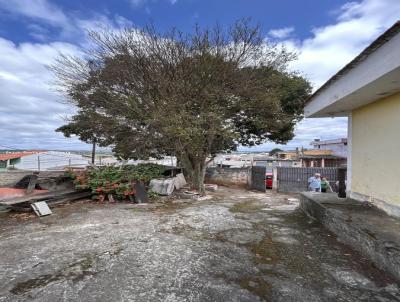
{"x":258,"y":178}
{"x":294,"y":180}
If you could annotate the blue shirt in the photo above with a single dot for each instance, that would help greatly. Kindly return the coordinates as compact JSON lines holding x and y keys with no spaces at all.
{"x":314,"y":183}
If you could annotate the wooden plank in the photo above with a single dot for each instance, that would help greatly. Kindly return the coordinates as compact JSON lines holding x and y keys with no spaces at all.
{"x":73,"y":197}
{"x":37,"y":197}
{"x":32,"y":184}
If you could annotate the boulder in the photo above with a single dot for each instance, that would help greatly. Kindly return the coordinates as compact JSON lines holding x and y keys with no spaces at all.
{"x":162,"y":186}
{"x":179,"y":181}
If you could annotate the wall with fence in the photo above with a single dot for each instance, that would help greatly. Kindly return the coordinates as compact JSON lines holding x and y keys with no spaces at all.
{"x":295,"y":180}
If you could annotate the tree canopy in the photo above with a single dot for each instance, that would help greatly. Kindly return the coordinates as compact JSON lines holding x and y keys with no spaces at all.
{"x":189,"y":95}
{"x":275,"y":151}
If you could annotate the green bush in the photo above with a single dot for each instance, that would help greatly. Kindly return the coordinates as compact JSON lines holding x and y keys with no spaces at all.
{"x":115,"y":180}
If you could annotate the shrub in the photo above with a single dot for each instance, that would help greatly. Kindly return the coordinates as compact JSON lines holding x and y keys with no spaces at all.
{"x":115,"y":180}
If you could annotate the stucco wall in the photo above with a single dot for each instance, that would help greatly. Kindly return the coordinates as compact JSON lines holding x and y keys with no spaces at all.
{"x":376,"y":153}
{"x":228,"y":176}
{"x":337,"y":149}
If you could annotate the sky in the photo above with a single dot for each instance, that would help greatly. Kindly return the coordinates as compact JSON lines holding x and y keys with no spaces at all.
{"x":325,"y":34}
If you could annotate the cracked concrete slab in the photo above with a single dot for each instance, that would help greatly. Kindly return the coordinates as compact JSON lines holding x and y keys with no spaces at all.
{"x":221,"y":249}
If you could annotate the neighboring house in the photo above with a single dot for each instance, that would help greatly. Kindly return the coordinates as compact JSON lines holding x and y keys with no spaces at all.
{"x":272,"y":162}
{"x":337,"y":146}
{"x":321,"y":159}
{"x":52,"y":160}
{"x":288,"y":154}
{"x":41,"y":160}
{"x":367,"y":90}
{"x":8,"y":160}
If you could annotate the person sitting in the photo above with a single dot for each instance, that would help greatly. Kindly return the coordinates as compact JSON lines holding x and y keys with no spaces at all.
{"x":314,"y":183}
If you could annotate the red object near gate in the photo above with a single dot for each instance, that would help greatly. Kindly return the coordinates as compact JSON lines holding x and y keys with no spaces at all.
{"x":269,"y":178}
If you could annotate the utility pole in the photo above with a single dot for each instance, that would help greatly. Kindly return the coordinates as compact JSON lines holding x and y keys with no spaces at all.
{"x":93,"y":151}
{"x":38,"y":162}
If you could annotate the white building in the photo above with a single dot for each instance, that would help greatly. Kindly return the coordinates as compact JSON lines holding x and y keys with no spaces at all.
{"x":50,"y":160}
{"x":367,"y":91}
{"x":337,"y":146}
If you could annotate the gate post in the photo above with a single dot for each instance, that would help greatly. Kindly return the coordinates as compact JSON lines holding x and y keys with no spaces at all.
{"x":275,"y":178}
{"x":342,"y":182}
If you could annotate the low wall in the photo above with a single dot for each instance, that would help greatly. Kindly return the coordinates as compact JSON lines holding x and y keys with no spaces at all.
{"x":228,"y":176}
{"x":10,"y":178}
{"x":366,"y":229}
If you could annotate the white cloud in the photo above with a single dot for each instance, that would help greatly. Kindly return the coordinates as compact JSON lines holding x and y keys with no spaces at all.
{"x":333,"y":46}
{"x":281,"y":33}
{"x":137,"y":3}
{"x":329,"y":49}
{"x":140,"y":3}
{"x":36,"y":9}
{"x":30,"y":111}
{"x":71,"y":27}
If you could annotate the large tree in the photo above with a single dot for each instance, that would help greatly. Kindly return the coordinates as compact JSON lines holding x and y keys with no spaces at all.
{"x":188,"y":95}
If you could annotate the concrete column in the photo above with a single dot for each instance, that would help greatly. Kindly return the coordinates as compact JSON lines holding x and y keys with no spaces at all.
{"x":323,"y":163}
{"x":275,"y":179}
{"x":349,"y":152}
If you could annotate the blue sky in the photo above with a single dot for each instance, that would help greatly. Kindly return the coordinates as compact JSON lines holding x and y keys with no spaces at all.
{"x":325,"y":34}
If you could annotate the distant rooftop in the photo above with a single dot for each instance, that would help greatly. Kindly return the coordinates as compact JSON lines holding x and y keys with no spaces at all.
{"x":329,"y":142}
{"x":12,"y":155}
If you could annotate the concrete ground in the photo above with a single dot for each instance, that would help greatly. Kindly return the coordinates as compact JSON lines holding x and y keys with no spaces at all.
{"x":235,"y":246}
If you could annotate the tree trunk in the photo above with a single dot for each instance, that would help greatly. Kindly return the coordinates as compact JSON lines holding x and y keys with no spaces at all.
{"x":198,"y":174}
{"x":194,"y":170}
{"x":93,"y":151}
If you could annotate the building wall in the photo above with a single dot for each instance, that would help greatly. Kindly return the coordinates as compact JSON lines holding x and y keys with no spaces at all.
{"x":50,"y":160}
{"x":328,"y":162}
{"x":10,"y":178}
{"x":375,"y":174}
{"x":275,"y":163}
{"x":337,"y":149}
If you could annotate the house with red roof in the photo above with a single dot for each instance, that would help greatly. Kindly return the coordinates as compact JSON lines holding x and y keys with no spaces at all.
{"x":10,"y":159}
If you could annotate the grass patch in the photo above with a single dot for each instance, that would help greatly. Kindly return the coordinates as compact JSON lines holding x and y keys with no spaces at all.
{"x":246,"y":207}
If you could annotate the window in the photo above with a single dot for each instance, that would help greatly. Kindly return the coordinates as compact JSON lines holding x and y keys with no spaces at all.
{"x":3,"y":164}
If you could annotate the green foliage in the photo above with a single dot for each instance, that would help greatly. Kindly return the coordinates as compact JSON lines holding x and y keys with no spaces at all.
{"x":188,"y":95}
{"x":115,"y":180}
{"x":274,"y":151}
{"x":86,"y":125}
{"x":152,"y":194}
{"x":144,"y":172}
